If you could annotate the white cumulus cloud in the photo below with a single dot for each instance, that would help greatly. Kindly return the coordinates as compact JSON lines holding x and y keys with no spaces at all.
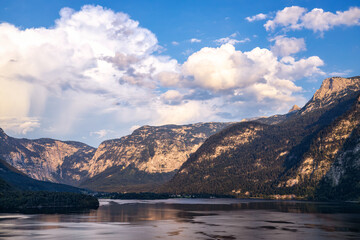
{"x":285,"y":46}
{"x":224,"y":68}
{"x":317,"y":19}
{"x":256,"y":17}
{"x":288,"y":17}
{"x":87,"y":61}
{"x":172,"y":97}
{"x":96,"y":67}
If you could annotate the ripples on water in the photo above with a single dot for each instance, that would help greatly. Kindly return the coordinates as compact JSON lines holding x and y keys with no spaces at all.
{"x":191,"y":219}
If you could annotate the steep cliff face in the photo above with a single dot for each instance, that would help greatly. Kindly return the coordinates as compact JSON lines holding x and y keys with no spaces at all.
{"x":342,"y":181}
{"x":331,"y":90}
{"x":336,"y":155}
{"x":147,"y":157}
{"x":47,"y":159}
{"x":326,"y":148}
{"x":298,"y":156}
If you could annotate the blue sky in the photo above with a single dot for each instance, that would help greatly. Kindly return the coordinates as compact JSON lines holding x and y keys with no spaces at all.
{"x":100,"y":69}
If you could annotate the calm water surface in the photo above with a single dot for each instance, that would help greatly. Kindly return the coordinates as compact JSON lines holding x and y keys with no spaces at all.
{"x":191,"y":219}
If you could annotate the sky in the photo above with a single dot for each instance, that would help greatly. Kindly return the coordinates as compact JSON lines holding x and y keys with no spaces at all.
{"x":95,"y":70}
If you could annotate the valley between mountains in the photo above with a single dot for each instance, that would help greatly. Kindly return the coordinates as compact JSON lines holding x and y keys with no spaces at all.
{"x":312,"y":152}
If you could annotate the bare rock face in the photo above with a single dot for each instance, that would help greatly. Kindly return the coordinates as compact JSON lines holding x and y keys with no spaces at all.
{"x":149,"y":151}
{"x":294,"y":108}
{"x":336,"y":85}
{"x":332,"y":89}
{"x":47,"y":159}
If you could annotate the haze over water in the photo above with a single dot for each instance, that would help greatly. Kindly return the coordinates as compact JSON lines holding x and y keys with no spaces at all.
{"x":191,"y":219}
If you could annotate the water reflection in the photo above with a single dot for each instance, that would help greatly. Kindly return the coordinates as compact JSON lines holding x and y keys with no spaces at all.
{"x":191,"y":219}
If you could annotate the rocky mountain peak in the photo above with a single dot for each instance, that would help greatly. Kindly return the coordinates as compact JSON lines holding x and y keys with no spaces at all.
{"x":332,"y":89}
{"x":294,"y":108}
{"x":335,"y":85}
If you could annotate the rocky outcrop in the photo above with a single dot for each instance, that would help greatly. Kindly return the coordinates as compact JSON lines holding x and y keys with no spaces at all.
{"x":47,"y":159}
{"x":148,"y":157}
{"x":331,"y":90}
{"x":294,"y":108}
{"x":335,"y":86}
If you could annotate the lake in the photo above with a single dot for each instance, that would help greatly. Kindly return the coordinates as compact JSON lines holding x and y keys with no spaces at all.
{"x":191,"y":219}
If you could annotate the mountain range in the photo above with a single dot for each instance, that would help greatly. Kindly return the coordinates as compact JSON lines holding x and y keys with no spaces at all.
{"x":311,"y":152}
{"x":142,"y":161}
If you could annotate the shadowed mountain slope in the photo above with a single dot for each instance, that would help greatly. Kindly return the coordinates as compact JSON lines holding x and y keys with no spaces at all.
{"x":295,"y":157}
